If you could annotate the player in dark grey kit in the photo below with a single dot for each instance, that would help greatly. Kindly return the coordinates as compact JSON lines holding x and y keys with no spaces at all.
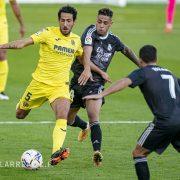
{"x":161,"y":90}
{"x":99,"y":46}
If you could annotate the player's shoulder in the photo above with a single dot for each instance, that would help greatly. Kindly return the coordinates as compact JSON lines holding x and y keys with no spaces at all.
{"x":52,"y":29}
{"x":41,"y":32}
{"x":155,"y":71}
{"x":45,"y":30}
{"x":140,"y":72}
{"x":75,"y":37}
{"x":113,"y":36}
{"x":90,"y":30}
{"x":147,"y":69}
{"x":157,"y":68}
{"x":91,"y":27}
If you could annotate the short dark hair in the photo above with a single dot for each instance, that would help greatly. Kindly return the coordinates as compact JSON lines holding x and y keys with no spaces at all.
{"x":68,"y":9}
{"x":106,"y":12}
{"x":148,"y":53}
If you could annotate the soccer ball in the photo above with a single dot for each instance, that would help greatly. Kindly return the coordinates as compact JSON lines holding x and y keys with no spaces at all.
{"x":31,"y":159}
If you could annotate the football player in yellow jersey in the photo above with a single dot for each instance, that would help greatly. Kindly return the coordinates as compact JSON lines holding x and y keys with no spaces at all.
{"x":4,"y":39}
{"x":58,"y":48}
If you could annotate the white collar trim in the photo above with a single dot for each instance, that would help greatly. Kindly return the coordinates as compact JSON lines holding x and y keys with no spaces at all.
{"x":104,"y":37}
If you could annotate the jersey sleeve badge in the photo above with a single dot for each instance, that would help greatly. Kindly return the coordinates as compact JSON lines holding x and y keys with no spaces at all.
{"x":39,"y":32}
{"x":88,"y":40}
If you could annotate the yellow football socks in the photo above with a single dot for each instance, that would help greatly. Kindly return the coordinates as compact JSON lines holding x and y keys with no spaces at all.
{"x":3,"y":74}
{"x":59,"y":134}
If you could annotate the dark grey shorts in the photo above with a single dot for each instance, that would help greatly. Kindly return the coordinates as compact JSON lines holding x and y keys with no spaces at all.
{"x":157,"y":139}
{"x":78,"y":92}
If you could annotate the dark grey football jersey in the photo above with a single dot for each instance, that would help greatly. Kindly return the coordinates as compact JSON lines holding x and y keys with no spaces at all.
{"x":103,"y":51}
{"x":161,"y":91}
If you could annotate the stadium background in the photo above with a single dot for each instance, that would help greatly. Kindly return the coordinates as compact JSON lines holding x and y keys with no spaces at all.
{"x":136,"y":25}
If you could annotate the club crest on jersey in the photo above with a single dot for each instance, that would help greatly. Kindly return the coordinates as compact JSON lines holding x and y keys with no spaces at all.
{"x":57,"y":39}
{"x":88,"y":40}
{"x":73,"y":42}
{"x":109,"y":47}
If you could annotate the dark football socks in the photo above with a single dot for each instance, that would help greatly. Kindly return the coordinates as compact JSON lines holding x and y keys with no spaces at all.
{"x":96,"y":136}
{"x":78,"y":122}
{"x":142,"y":169}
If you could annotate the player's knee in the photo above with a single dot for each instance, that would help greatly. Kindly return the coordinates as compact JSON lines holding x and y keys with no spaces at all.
{"x":92,"y":116}
{"x":62,"y":115}
{"x":137,"y":153}
{"x":70,"y":120}
{"x":20,"y":114}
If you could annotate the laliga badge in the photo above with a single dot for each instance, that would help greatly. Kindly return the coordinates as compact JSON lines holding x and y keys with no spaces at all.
{"x":88,"y":40}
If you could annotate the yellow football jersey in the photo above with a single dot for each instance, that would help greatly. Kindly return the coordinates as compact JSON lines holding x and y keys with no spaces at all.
{"x":56,"y":55}
{"x":3,"y":9}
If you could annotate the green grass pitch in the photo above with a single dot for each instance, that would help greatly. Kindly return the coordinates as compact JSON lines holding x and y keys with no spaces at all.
{"x":136,"y":25}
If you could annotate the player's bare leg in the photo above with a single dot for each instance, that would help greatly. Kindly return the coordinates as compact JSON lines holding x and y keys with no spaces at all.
{"x":3,"y":74}
{"x":93,"y":109}
{"x":76,"y":121}
{"x":71,"y":115}
{"x":21,"y":114}
{"x":61,"y":108}
{"x":141,"y":166}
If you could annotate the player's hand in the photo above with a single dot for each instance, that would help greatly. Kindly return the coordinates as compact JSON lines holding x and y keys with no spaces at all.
{"x":106,"y":77}
{"x":95,"y":96}
{"x":84,"y":77}
{"x":22,"y":31}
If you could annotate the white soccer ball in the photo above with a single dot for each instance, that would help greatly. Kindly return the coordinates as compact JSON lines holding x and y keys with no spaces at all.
{"x":31,"y":159}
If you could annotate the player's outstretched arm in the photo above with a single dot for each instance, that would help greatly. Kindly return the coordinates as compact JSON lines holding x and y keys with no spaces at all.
{"x":96,"y":69}
{"x":17,"y":13}
{"x":131,"y":55}
{"x":103,"y":74}
{"x":19,"y":44}
{"x":117,"y":86}
{"x":86,"y":74}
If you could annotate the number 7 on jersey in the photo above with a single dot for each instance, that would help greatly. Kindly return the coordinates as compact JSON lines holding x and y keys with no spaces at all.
{"x":171,"y":84}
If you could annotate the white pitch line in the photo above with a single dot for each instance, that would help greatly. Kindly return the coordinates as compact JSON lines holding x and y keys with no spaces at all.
{"x":125,"y":122}
{"x":52,"y":122}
